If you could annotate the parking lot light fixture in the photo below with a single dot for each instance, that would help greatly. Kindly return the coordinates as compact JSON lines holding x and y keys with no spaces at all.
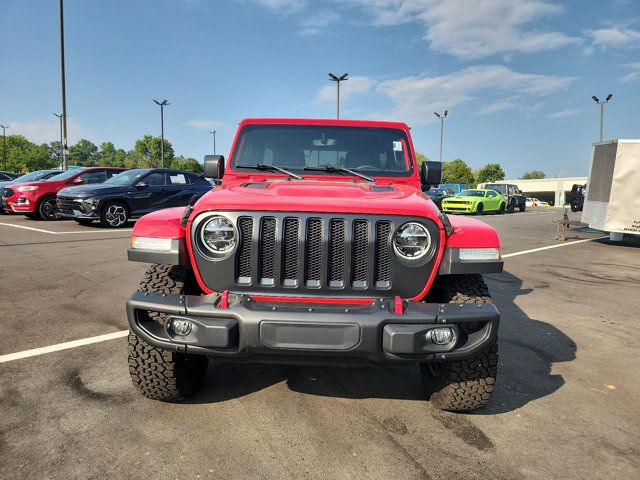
{"x":441,"y":117}
{"x":601,"y":103}
{"x":213,"y":132}
{"x":162,"y":104}
{"x":4,"y":145}
{"x":338,"y":79}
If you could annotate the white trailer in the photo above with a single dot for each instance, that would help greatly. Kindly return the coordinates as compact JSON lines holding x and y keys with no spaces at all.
{"x":612,"y":203}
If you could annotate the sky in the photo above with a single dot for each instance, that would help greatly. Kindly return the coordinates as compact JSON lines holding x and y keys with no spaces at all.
{"x":516,"y":76}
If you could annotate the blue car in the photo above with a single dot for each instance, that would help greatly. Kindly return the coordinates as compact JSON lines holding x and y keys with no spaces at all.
{"x":130,"y":194}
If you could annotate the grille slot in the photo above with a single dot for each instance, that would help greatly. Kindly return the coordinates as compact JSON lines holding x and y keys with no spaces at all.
{"x":267,"y":251}
{"x":290,"y":248}
{"x":337,"y":248}
{"x":243,"y":257}
{"x":313,"y":257}
{"x":359,"y":260}
{"x":383,"y":260}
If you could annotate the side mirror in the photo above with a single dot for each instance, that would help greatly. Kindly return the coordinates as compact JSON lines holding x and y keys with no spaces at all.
{"x":430,"y":173}
{"x":214,"y":166}
{"x":142,"y":185}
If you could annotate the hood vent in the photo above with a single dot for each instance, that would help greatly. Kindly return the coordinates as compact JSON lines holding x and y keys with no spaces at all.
{"x":256,"y":185}
{"x":381,"y":188}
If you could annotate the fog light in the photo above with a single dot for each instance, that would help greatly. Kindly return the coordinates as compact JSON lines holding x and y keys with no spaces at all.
{"x":442,"y":335}
{"x":181,"y":327}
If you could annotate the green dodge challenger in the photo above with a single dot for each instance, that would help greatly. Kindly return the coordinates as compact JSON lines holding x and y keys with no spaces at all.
{"x":476,"y":201}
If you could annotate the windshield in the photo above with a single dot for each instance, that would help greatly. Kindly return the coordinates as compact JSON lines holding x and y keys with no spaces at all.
{"x":128,"y":177}
{"x":471,"y":193}
{"x":497,"y":187}
{"x":63,"y":175}
{"x":370,"y":151}
{"x":33,"y":176}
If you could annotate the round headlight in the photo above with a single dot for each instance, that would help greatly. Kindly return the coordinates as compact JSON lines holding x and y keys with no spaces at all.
{"x":412,"y":241}
{"x":218,"y":234}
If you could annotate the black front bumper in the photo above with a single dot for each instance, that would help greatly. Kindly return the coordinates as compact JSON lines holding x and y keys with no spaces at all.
{"x":247,"y":330}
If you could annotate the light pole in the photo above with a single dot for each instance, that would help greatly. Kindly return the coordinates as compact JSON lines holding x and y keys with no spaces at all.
{"x":61,"y":147}
{"x":64,"y":92}
{"x":4,"y":145}
{"x":213,"y":132}
{"x":335,"y":78}
{"x":601,"y":103}
{"x":162,"y":104}
{"x":441,"y":117}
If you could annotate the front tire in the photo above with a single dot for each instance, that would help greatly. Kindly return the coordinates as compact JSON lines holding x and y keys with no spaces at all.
{"x":522,"y":207}
{"x":480,"y":209}
{"x":462,"y":385}
{"x":161,"y":374}
{"x":114,"y":215}
{"x":501,"y":209}
{"x":47,"y":208}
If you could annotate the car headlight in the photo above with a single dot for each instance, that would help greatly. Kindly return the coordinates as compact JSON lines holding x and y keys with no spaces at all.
{"x":27,"y":188}
{"x":412,"y":241}
{"x":218,"y":235}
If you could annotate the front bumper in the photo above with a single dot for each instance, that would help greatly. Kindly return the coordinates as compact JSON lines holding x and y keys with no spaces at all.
{"x":75,"y":208}
{"x":458,"y":207}
{"x":243,"y":329}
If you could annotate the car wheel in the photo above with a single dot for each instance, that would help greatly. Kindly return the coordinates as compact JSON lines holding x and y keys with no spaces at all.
{"x":480,"y":209}
{"x":512,"y":206}
{"x":47,"y":208}
{"x":114,"y":215}
{"x":522,"y":207}
{"x":502,"y":208}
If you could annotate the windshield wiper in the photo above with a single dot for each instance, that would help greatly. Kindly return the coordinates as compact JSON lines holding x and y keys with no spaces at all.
{"x":330,"y":168}
{"x":264,"y":166}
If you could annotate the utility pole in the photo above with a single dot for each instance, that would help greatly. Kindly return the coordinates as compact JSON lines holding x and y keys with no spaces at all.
{"x":162,"y":104}
{"x":335,"y":78}
{"x":441,"y":117}
{"x":4,"y":145}
{"x":64,"y":92}
{"x":213,"y":132}
{"x":61,"y":147}
{"x":601,"y":103}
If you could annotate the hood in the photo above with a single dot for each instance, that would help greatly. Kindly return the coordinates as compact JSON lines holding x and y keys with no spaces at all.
{"x":332,"y":196}
{"x":86,"y":191}
{"x":463,"y":198}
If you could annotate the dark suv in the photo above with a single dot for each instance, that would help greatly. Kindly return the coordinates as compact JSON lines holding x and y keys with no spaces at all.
{"x":511,"y":193}
{"x":130,"y":195}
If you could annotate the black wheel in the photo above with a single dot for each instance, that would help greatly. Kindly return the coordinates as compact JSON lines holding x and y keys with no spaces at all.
{"x":522,"y":207}
{"x":502,"y":208}
{"x":480,"y":209}
{"x":114,"y":215}
{"x":574,"y":208}
{"x":84,"y":222}
{"x":512,"y":206}
{"x":462,"y":385}
{"x":47,"y":208}
{"x":161,"y":374}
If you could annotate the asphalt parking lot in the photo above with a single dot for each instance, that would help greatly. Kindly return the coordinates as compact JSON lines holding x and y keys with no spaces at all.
{"x":565,"y":405}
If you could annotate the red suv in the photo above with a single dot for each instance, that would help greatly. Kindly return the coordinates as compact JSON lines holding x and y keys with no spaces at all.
{"x":38,"y":199}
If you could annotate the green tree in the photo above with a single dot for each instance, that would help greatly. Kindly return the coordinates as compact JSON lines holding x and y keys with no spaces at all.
{"x":84,"y":153}
{"x":457,"y":171}
{"x":106,"y":154}
{"x":532,"y":175}
{"x":490,"y":173}
{"x":421,"y":158}
{"x":187,"y":164}
{"x":147,"y":152}
{"x":25,"y":156}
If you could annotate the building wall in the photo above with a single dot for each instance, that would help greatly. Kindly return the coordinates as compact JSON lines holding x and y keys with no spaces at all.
{"x":555,"y":189}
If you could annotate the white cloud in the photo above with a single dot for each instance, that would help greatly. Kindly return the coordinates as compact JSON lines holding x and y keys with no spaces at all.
{"x":356,"y":85}
{"x":615,"y":37}
{"x":634,"y":76}
{"x":319,"y":22}
{"x":571,"y":112}
{"x":205,"y":124}
{"x":45,"y":131}
{"x":415,"y":98}
{"x":498,"y":106}
{"x":471,"y":29}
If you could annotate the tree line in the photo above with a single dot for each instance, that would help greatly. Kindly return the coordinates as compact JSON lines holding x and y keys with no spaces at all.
{"x":24,"y":156}
{"x":457,"y":171}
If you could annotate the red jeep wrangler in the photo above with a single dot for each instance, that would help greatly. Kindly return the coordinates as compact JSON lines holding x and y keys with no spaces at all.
{"x":317,"y":247}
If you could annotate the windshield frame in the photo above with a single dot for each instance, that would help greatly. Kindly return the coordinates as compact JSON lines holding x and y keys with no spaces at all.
{"x":410,"y":173}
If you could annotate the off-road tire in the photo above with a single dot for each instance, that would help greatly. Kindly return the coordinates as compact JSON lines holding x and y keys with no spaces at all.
{"x":512,"y":206}
{"x":480,"y":209}
{"x":462,"y":385}
{"x":161,"y":374}
{"x":522,"y":207}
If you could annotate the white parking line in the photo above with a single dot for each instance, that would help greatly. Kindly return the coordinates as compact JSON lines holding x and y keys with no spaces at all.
{"x":62,"y":346}
{"x":66,"y":233}
{"x":566,"y":244}
{"x":123,"y":333}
